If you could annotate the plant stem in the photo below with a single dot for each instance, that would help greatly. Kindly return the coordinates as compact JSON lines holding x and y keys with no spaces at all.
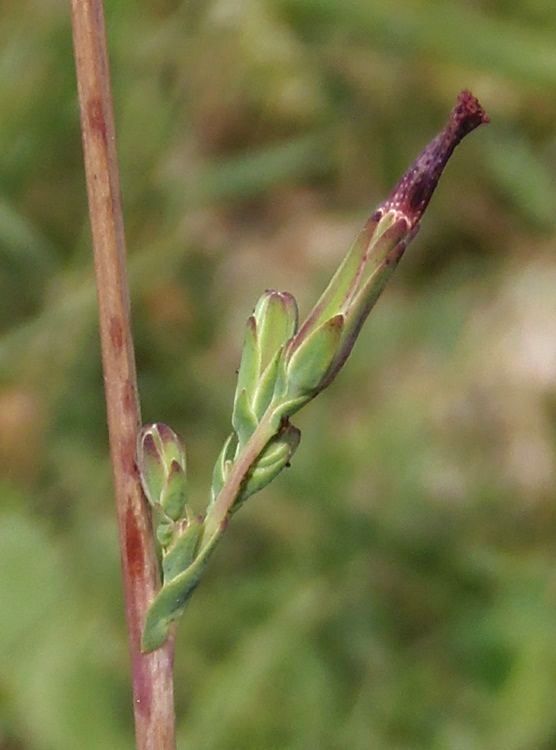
{"x":217,"y":515}
{"x":153,"y":698}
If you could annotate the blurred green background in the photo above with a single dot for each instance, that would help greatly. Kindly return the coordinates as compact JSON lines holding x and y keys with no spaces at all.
{"x":396,"y":588}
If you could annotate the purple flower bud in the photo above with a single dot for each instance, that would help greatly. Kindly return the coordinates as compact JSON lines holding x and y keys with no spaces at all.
{"x":413,"y":192}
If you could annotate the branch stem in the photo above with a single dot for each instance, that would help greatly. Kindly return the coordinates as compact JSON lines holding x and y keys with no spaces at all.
{"x":218,"y":512}
{"x":152,"y":674}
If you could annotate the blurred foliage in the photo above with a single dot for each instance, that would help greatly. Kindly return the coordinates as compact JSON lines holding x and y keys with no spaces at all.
{"x":397,"y":588}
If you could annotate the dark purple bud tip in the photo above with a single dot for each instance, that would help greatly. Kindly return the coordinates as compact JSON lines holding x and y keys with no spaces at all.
{"x":149,"y":446}
{"x":413,"y":192}
{"x":167,"y":434}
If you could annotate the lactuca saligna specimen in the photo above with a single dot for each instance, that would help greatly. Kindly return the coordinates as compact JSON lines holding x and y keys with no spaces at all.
{"x":283,"y":367}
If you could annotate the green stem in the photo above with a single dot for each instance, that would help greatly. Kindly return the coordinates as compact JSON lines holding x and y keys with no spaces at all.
{"x":218,"y":512}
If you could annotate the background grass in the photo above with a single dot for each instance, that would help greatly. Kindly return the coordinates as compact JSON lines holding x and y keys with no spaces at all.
{"x":396,"y":588}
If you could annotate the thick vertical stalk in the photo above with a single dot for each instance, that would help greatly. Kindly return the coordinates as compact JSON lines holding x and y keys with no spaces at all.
{"x":152,"y":673}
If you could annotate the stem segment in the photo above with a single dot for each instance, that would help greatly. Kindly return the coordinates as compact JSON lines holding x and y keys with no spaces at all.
{"x":152,"y":673}
{"x":218,"y":512}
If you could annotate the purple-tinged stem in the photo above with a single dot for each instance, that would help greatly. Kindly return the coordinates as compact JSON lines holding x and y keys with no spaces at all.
{"x":152,"y":674}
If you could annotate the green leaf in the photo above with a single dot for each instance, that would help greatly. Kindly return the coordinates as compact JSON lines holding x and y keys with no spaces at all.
{"x":310,"y":362}
{"x":171,"y":445}
{"x":182,"y":553}
{"x":222,"y":465}
{"x":244,"y":420}
{"x":165,"y":532}
{"x":170,"y":602}
{"x":250,"y":360}
{"x":162,"y":466}
{"x":266,"y":386}
{"x":276,"y":316}
{"x":150,"y":465}
{"x":378,"y":236}
{"x":174,"y":495}
{"x":270,"y":463}
{"x":342,"y":284}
